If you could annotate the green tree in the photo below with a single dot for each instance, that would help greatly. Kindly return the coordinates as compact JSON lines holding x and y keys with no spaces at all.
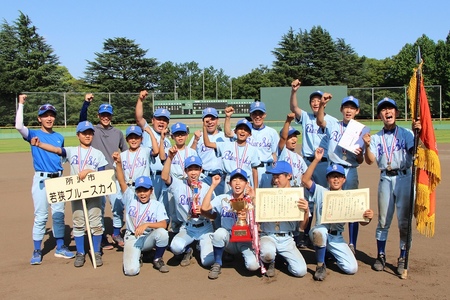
{"x":122,"y":67}
{"x":248,"y":85}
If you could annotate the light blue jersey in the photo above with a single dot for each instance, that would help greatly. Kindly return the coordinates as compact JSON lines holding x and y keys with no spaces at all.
{"x":208,"y":155}
{"x":336,"y":153}
{"x":81,"y":159}
{"x":297,"y":163}
{"x":265,"y":140}
{"x":221,"y":205}
{"x":135,"y":164}
{"x":155,"y":162}
{"x":177,"y":167}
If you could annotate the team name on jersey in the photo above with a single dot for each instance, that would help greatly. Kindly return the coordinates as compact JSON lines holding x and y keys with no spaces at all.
{"x":140,"y":162}
{"x":91,"y":161}
{"x":400,"y":145}
{"x":185,"y":200}
{"x":225,"y":212}
{"x":310,"y":128}
{"x":335,"y":136}
{"x":230,"y":155}
{"x":203,"y":148}
{"x":265,"y":143}
{"x":149,"y":218}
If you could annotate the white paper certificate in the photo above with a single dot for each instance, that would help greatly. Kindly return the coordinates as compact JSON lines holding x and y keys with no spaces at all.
{"x":345,"y":206}
{"x":352,"y":137}
{"x":278,"y":204}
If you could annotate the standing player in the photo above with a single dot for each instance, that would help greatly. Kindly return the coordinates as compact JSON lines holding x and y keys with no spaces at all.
{"x":146,"y":221}
{"x":211,"y":165}
{"x":328,"y":237}
{"x":160,"y":121}
{"x":108,"y":140}
{"x":392,"y":149}
{"x":46,"y":165}
{"x":221,"y":206}
{"x":277,"y":237}
{"x":83,"y":160}
{"x":263,"y":138}
{"x":188,"y":195}
{"x":238,"y":154}
{"x":338,"y":155}
{"x":312,"y":139}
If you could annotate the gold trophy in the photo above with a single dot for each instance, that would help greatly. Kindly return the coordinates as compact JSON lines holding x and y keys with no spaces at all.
{"x":240,"y":232}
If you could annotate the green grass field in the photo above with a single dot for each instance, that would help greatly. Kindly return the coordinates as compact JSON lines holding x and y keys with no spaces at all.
{"x":10,"y":140}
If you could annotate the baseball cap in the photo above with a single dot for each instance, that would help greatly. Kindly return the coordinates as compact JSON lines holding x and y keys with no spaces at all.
{"x":191,"y":161}
{"x":46,"y":107}
{"x":133,"y":129}
{"x":245,"y":122}
{"x":210,"y":111}
{"x":143,"y":181}
{"x":162,"y":112}
{"x":386,"y":102}
{"x":292,"y":130}
{"x":280,"y":167}
{"x":316,"y":93}
{"x":105,"y":108}
{"x":257,"y":105}
{"x":238,"y":172}
{"x":335,"y":168}
{"x":83,"y":126}
{"x":350,"y":99}
{"x":179,"y":127}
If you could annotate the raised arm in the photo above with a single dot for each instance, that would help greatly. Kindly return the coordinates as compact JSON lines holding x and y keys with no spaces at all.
{"x":285,"y":131}
{"x":165,"y":173}
{"x":140,"y":109}
{"x":295,"y":85}
{"x":321,"y":112}
{"x":23,"y":130}
{"x":162,"y":149}
{"x":206,"y":140}
{"x":227,"y":125}
{"x":119,"y":172}
{"x":307,"y":176}
{"x":195,"y":139}
{"x":84,"y":109}
{"x":369,"y":157}
{"x":206,"y":203}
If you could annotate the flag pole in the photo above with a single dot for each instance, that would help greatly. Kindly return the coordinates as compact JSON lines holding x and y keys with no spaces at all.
{"x":404,"y":275}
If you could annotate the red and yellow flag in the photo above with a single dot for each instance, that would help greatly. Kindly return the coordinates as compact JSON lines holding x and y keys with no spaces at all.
{"x":427,"y":162}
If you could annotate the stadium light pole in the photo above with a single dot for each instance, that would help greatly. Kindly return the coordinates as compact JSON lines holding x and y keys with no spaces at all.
{"x":190,"y":85}
{"x":231,"y":88}
{"x":217,"y":93}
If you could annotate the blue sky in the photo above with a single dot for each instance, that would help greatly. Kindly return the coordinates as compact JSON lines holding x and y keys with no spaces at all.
{"x":236,"y":36}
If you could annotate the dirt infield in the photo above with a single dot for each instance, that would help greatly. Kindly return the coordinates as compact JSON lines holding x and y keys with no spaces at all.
{"x":56,"y":278}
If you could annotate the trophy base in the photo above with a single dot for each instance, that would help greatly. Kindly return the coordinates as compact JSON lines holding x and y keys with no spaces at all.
{"x":240,"y":234}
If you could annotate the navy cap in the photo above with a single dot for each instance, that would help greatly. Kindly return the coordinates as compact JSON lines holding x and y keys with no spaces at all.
{"x":257,"y":105}
{"x":83,"y":126}
{"x":45,"y":108}
{"x":105,"y":108}
{"x":316,"y":93}
{"x":133,"y":129}
{"x":191,"y":161}
{"x":143,"y":181}
{"x":335,"y":168}
{"x":162,"y":112}
{"x":292,"y":130}
{"x":179,"y":127}
{"x":386,"y":102}
{"x":210,"y":111}
{"x":350,"y":99}
{"x":238,"y":172}
{"x":280,"y":167}
{"x":244,"y":122}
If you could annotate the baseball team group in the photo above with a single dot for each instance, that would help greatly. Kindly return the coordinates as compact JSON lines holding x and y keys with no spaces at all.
{"x":180,"y":195}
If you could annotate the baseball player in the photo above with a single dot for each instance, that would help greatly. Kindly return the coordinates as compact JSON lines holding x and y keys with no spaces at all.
{"x":221,"y":206}
{"x":312,"y":138}
{"x":338,"y":155}
{"x":238,"y":154}
{"x":83,"y":160}
{"x":392,"y":149}
{"x":146,"y":221}
{"x":108,"y":139}
{"x":263,"y":138}
{"x":277,"y":237}
{"x":328,"y":237}
{"x":211,"y":165}
{"x":160,"y":121}
{"x":189,"y":194}
{"x":46,"y":165}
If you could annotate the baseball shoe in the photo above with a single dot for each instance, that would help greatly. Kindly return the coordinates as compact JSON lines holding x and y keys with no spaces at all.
{"x":105,"y":244}
{"x":216,"y":269}
{"x":98,"y":259}
{"x":36,"y":258}
{"x":64,"y":253}
{"x":270,"y":272}
{"x":321,"y":273}
{"x":79,"y":260}
{"x":186,"y":261}
{"x":118,"y":240}
{"x":380,"y":262}
{"x":352,"y":248}
{"x":400,"y":265}
{"x":159,"y":265}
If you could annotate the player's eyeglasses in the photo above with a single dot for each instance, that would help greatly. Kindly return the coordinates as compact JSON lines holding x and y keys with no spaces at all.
{"x":47,"y":107}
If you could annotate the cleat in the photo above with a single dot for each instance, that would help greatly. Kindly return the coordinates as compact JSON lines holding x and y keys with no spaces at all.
{"x":159,"y":265}
{"x":79,"y":260}
{"x":216,"y":269}
{"x":380,"y":262}
{"x":64,"y":253}
{"x":321,"y":273}
{"x":186,"y":261}
{"x":271,"y":270}
{"x":36,"y":258}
